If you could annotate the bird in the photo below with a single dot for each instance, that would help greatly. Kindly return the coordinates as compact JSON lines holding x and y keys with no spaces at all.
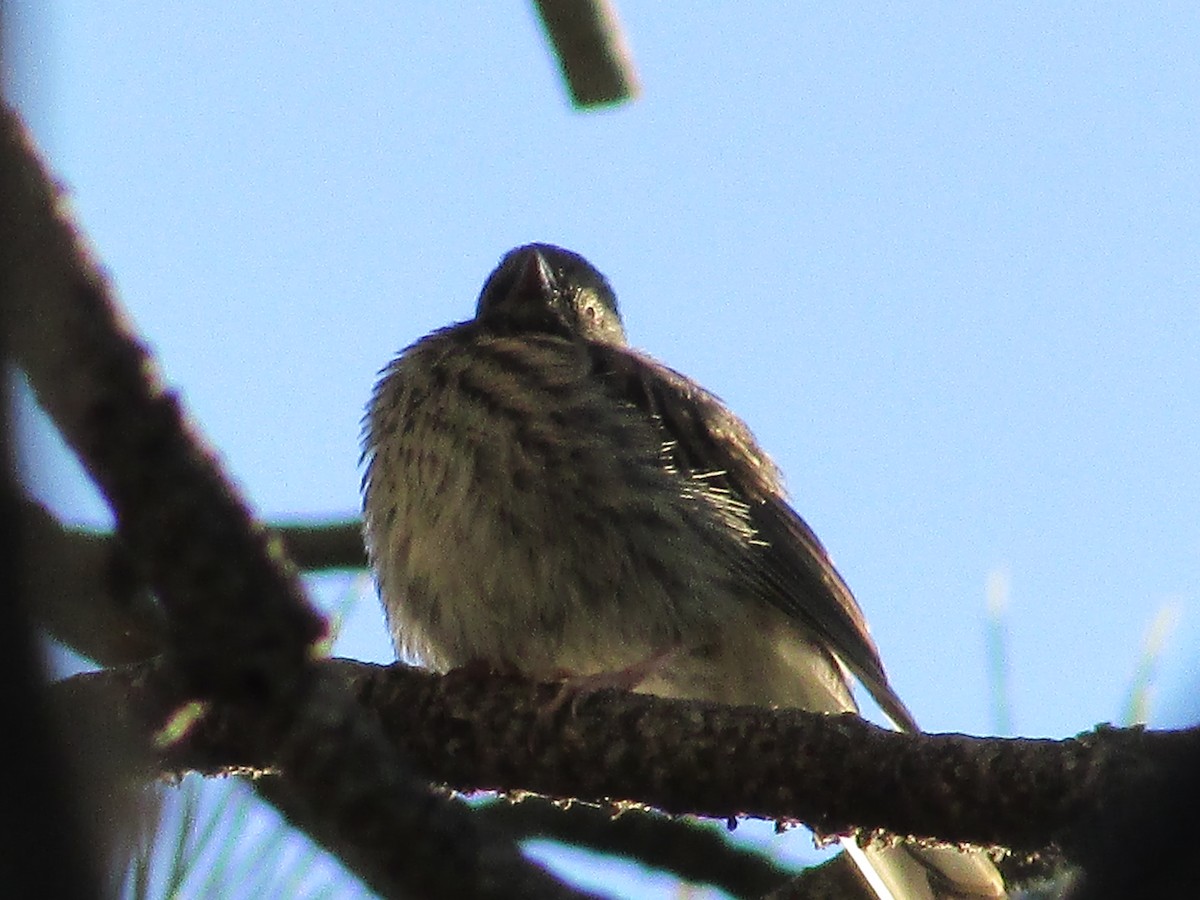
{"x":540,"y":496}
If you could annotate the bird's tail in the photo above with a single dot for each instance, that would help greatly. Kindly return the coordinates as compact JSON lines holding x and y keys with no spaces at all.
{"x":908,"y":872}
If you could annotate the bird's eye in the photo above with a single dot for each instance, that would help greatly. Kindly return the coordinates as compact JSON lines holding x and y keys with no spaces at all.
{"x":587,"y":305}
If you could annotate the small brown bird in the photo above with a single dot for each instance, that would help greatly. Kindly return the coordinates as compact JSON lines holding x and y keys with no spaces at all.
{"x":541,"y":497}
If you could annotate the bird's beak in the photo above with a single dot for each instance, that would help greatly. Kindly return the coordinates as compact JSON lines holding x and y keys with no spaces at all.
{"x":534,"y":280}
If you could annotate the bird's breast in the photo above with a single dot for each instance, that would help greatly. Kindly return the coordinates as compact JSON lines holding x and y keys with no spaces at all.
{"x":517,"y":513}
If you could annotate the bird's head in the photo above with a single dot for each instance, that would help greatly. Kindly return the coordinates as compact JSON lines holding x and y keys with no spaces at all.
{"x":543,"y":288}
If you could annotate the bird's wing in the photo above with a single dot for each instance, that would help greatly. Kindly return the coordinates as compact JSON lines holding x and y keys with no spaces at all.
{"x":786,"y":564}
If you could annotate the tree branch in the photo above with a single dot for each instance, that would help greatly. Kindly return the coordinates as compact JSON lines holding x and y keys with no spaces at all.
{"x":238,"y":624}
{"x":695,"y":852}
{"x":835,"y":773}
{"x":591,"y":49}
{"x":86,"y":591}
{"x":316,"y":547}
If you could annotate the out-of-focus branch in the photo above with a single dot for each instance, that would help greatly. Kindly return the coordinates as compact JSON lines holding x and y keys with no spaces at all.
{"x":591,"y":49}
{"x":322,"y":546}
{"x":694,"y":852}
{"x":88,"y":594}
{"x":237,"y":624}
{"x":836,"y":773}
{"x":43,"y":817}
{"x":85,"y":590}
{"x":836,"y":879}
{"x":240,"y":633}
{"x":43,"y":820}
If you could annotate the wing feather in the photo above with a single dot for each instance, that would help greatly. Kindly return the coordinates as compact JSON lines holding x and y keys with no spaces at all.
{"x":785,"y":564}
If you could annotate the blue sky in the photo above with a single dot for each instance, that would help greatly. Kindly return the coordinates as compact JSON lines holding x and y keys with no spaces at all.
{"x":942,"y":259}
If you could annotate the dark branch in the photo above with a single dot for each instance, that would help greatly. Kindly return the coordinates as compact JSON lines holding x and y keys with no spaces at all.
{"x":695,"y":852}
{"x":835,"y":773}
{"x":591,"y":50}
{"x":43,"y":818}
{"x":88,"y":594}
{"x":86,"y":591}
{"x":323,"y":546}
{"x":238,"y":625}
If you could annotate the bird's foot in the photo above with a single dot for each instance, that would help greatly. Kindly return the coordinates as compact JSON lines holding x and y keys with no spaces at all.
{"x":574,"y":689}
